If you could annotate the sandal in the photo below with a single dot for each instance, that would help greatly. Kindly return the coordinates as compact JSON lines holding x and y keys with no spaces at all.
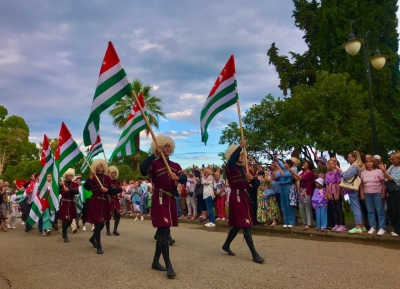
{"x":273,"y":224}
{"x":306,"y":227}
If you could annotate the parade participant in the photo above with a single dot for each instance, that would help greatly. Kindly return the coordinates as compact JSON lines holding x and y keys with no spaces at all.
{"x":240,"y":215}
{"x":115,"y":206}
{"x":164,"y":211}
{"x":99,"y":205}
{"x":26,"y":207}
{"x":67,"y":211}
{"x":45,"y":219}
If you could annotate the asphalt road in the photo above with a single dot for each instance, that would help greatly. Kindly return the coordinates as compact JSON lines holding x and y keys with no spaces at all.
{"x":29,"y":260}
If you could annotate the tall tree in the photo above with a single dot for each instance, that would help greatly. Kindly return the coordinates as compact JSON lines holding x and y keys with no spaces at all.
{"x":14,"y":142}
{"x":326,"y":27}
{"x":121,"y":109}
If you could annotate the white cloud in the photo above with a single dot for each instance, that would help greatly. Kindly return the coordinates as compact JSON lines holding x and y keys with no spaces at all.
{"x":180,"y":114}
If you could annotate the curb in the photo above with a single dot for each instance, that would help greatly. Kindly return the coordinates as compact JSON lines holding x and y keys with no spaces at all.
{"x":299,"y":232}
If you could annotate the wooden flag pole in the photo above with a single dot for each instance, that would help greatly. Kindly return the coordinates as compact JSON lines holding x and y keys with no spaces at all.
{"x":242,"y":135}
{"x":105,"y":158}
{"x":93,"y":171}
{"x":133,"y":93}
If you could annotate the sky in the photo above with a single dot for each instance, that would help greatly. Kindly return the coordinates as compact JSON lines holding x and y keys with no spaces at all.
{"x":51,"y":53}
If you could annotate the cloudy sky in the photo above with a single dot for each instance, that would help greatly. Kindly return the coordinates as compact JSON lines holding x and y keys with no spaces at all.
{"x":51,"y":52}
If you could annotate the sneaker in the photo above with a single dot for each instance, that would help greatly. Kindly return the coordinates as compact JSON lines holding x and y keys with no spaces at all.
{"x":394,"y":234}
{"x":290,"y":226}
{"x":74,"y":230}
{"x":83,"y":228}
{"x":364,"y":229}
{"x":207,"y":224}
{"x":13,"y":227}
{"x":141,"y":218}
{"x":223,"y":219}
{"x":47,"y":232}
{"x":285,"y":226}
{"x":381,"y":232}
{"x":135,"y":219}
{"x":341,"y":228}
{"x":217,"y":219}
{"x":371,"y":231}
{"x":22,"y":223}
{"x":211,"y":224}
{"x":8,"y":226}
{"x":355,"y":231}
{"x":335,"y":228}
{"x":92,"y":229}
{"x":44,"y":233}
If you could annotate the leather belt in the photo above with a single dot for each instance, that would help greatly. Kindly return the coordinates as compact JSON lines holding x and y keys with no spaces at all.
{"x":168,"y":194}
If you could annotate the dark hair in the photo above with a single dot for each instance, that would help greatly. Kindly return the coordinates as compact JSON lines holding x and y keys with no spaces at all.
{"x":261,"y":173}
{"x":310,"y":165}
{"x":289,"y":162}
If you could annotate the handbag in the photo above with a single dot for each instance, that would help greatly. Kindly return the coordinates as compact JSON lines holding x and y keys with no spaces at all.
{"x":303,"y":196}
{"x":391,"y":186}
{"x":351,"y":185}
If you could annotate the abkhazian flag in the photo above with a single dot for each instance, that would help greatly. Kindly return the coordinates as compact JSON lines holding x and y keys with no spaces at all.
{"x":111,"y":87}
{"x":46,"y":162}
{"x":222,"y":95}
{"x":68,"y":153}
{"x":95,"y":149}
{"x":134,"y":125}
{"x":19,"y":196}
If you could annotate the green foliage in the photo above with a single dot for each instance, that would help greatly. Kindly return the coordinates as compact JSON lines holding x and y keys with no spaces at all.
{"x":22,"y":171}
{"x":14,"y":142}
{"x":326,"y":27}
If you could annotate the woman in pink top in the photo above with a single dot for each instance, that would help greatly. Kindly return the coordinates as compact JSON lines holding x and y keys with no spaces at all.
{"x":307,"y":184}
{"x":372,"y":190}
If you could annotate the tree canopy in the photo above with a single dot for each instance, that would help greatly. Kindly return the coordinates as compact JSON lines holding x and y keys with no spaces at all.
{"x":326,"y":27}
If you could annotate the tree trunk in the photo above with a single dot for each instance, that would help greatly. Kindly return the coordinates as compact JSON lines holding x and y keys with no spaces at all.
{"x":136,"y":157}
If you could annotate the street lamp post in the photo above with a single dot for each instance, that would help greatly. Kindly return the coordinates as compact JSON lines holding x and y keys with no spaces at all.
{"x":378,"y":61}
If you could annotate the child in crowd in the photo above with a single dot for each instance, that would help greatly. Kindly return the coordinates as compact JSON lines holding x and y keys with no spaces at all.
{"x":332,"y":181}
{"x":320,"y":203}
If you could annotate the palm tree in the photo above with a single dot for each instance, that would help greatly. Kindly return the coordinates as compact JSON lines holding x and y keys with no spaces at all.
{"x":122,"y":108}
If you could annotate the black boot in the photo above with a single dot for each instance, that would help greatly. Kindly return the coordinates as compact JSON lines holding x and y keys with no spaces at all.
{"x":116,"y":223}
{"x":93,"y":241}
{"x":97,"y":233}
{"x":170,"y":240}
{"x":108,"y":227}
{"x":165,"y":252}
{"x":231,"y":235}
{"x":156,"y":260}
{"x":64,"y":231}
{"x":249,"y":240}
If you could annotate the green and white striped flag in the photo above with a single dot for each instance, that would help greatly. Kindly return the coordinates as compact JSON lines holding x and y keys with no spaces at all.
{"x":134,"y":125}
{"x":95,"y":149}
{"x":19,"y":196}
{"x":46,"y":162}
{"x":111,"y":87}
{"x":222,"y":95}
{"x":68,"y":153}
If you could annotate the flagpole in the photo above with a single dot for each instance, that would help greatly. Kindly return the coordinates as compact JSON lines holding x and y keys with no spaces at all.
{"x":133,"y":93}
{"x":93,"y":171}
{"x":105,"y":158}
{"x":242,"y":135}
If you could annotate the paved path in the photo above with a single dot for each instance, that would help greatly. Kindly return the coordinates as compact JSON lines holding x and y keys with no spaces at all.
{"x":29,"y":260}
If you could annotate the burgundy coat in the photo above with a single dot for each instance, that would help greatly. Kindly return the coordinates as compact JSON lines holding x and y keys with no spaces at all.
{"x":163,"y":208}
{"x":240,"y":214}
{"x":99,"y":202}
{"x":67,"y":209}
{"x":113,"y":192}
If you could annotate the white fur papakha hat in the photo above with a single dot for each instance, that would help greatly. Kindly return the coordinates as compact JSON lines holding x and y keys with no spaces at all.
{"x":70,"y":171}
{"x":98,"y":162}
{"x":112,"y":169}
{"x":229,"y":151}
{"x":163,"y":140}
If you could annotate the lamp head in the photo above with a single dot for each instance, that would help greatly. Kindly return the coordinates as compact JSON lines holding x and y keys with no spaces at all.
{"x":378,"y":60}
{"x":353,"y":44}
